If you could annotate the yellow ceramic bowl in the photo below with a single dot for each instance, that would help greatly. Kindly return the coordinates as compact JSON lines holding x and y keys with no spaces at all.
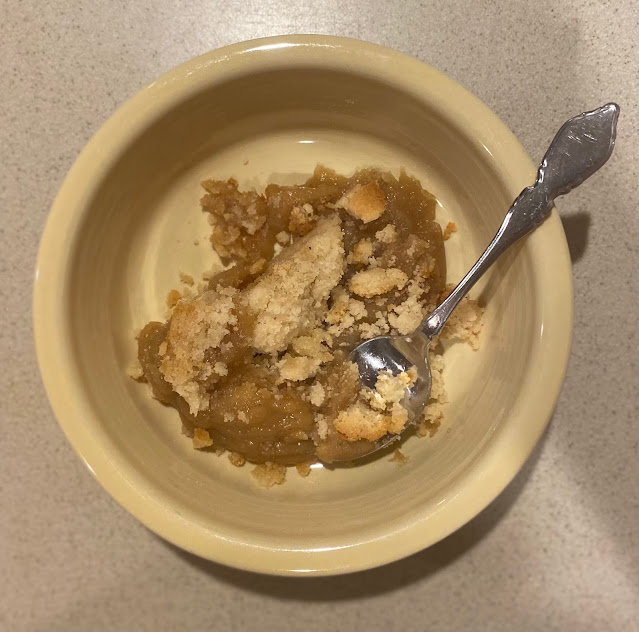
{"x":125,"y":222}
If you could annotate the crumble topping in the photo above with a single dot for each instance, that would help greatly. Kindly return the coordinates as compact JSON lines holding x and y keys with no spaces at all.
{"x":201,"y":439}
{"x":362,"y":253}
{"x":366,"y":202}
{"x":399,"y":457}
{"x":387,"y":235}
{"x":377,"y":412}
{"x":291,"y":295}
{"x":451,"y":228}
{"x":269,"y":474}
{"x":304,"y":469}
{"x":257,"y":353}
{"x":236,"y":459}
{"x":377,"y":281}
{"x":303,"y":219}
{"x":196,"y":326}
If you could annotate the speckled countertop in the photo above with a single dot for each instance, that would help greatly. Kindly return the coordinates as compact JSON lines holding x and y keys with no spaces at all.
{"x":558,"y":550}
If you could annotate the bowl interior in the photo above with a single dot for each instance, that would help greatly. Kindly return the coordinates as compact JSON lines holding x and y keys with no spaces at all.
{"x":142,"y":225}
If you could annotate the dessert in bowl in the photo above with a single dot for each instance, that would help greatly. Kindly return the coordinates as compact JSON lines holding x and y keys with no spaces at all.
{"x":128,"y":220}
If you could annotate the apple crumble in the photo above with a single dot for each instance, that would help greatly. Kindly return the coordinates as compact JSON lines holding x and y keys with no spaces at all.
{"x":255,"y":360}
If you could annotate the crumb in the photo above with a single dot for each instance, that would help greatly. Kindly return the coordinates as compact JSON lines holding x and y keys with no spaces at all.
{"x":317,"y":394}
{"x":391,"y":388}
{"x":201,"y":438}
{"x":372,"y":330}
{"x":313,"y":344}
{"x":186,"y":278}
{"x":407,"y":316}
{"x":302,"y":220}
{"x":362,"y":252}
{"x":236,"y":459}
{"x":451,"y":228}
{"x":172,"y":298}
{"x":365,"y":202}
{"x":399,"y":457}
{"x":465,"y":323}
{"x":339,"y":308}
{"x":258,"y":267}
{"x":233,"y":215}
{"x":369,"y":283}
{"x":269,"y":474}
{"x":378,"y":328}
{"x":427,"y":269}
{"x":220,"y":368}
{"x":360,"y":422}
{"x":434,"y":411}
{"x":252,"y":222}
{"x":298,"y":368}
{"x":429,"y":426}
{"x":242,"y":416}
{"x":135,"y":370}
{"x":357,"y":309}
{"x":304,"y":469}
{"x":382,"y":413}
{"x":387,"y":235}
{"x":437,"y":390}
{"x":283,"y":237}
{"x":344,"y":312}
{"x":322,"y":425}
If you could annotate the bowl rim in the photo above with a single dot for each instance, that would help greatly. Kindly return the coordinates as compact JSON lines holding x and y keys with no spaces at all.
{"x":502,"y":457}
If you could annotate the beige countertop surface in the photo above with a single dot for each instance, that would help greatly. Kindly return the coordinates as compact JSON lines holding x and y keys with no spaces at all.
{"x":558,"y":550}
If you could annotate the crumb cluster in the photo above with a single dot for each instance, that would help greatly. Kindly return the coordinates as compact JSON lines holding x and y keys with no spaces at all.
{"x":255,"y":357}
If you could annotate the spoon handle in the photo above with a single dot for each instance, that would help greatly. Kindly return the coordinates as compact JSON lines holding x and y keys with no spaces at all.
{"x":582,"y":146}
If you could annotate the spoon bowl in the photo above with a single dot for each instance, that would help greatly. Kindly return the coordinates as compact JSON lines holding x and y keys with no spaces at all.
{"x":397,"y":354}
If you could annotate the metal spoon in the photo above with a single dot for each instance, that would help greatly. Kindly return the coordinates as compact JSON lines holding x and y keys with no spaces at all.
{"x":581,"y":147}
